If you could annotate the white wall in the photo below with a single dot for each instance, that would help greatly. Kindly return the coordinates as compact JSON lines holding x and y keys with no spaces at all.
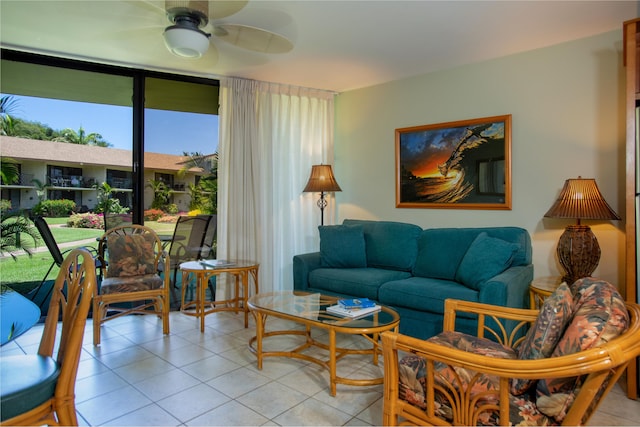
{"x":567,"y":107}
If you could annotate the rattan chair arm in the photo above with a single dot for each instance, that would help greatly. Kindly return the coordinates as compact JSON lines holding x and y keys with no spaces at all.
{"x":600,"y":363}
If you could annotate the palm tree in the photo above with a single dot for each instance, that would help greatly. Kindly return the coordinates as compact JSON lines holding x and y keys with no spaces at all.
{"x":41,"y":189}
{"x":8,"y":104}
{"x":82,"y":138}
{"x":206,"y":162}
{"x":161,"y":193}
{"x":9,"y":172}
{"x":204,"y":195}
{"x":12,"y":228}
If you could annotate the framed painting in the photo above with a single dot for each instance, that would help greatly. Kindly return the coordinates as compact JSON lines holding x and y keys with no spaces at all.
{"x":456,"y":165}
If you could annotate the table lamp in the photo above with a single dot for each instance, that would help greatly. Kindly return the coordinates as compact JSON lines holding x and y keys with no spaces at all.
{"x":578,"y":250}
{"x":322,"y":181}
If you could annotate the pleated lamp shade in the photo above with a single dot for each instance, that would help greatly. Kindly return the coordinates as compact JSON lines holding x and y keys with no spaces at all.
{"x":581,"y":199}
{"x":578,"y":249}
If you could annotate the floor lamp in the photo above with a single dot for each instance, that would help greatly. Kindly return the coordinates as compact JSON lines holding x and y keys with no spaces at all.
{"x":578,"y":250}
{"x":321,"y":181}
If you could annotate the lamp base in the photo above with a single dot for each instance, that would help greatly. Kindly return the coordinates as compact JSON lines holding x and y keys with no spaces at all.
{"x":578,"y":252}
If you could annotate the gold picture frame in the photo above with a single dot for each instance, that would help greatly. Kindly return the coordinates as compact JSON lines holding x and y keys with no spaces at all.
{"x":464,"y":164}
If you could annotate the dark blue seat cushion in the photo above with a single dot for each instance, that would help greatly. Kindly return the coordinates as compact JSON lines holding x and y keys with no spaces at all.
{"x":360,"y":282}
{"x":423,"y":294}
{"x":26,"y":382}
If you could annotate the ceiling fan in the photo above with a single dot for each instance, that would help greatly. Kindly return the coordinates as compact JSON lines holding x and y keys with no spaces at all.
{"x":194,"y":30}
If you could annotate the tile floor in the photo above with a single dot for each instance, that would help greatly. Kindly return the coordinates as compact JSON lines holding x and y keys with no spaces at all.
{"x":139,"y":377}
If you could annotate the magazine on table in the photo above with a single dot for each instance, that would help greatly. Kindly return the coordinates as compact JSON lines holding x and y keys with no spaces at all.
{"x":216,"y":263}
{"x":352,"y":312}
{"x":356,"y":303}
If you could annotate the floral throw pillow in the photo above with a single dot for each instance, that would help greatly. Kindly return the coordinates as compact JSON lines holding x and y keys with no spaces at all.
{"x":600,"y":316}
{"x":541,"y":339}
{"x":131,"y":255}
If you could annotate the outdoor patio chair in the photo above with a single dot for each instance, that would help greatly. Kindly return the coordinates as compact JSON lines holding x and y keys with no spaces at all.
{"x":209,"y":245}
{"x":130,"y":256}
{"x":39,"y":389}
{"x":56,"y":253}
{"x":186,"y":244}
{"x":112,"y":220}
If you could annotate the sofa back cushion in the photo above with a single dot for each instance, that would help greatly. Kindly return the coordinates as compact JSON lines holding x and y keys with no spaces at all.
{"x":441,"y":250}
{"x":342,"y":246}
{"x":389,"y":245}
{"x":486,"y":257}
{"x":599,"y":316}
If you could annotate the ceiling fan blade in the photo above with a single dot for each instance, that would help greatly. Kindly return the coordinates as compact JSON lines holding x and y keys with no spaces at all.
{"x":153,"y":6}
{"x":252,"y":38}
{"x":222,"y":8}
{"x":213,"y":9}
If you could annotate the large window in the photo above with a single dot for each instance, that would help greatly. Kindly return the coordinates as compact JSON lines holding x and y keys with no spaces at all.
{"x":135,"y":123}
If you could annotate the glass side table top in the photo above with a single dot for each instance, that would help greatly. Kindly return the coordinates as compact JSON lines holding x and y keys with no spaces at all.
{"x":216,"y":264}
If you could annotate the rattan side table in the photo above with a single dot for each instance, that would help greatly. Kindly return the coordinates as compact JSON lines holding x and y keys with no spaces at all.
{"x":541,"y":288}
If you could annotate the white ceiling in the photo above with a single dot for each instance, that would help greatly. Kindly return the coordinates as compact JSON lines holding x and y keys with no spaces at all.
{"x":338,"y":45}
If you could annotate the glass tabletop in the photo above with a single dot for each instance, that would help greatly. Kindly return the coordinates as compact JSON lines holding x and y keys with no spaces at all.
{"x":313,"y":307}
{"x":216,"y":264}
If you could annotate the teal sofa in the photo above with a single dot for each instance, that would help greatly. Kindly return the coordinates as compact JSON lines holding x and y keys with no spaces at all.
{"x":415,"y":270}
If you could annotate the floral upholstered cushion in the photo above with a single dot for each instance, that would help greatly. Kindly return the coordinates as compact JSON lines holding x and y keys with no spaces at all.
{"x":116,"y":285}
{"x":131,"y":255}
{"x":544,"y":334}
{"x":600,"y":316}
{"x":485,"y":388}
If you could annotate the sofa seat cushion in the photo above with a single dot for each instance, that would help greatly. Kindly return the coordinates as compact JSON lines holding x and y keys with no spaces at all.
{"x":389,"y":245}
{"x":358,"y":282}
{"x":423,"y":294}
{"x":342,"y":246}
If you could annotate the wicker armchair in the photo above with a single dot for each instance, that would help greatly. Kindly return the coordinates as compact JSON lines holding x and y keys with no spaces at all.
{"x":131,"y":256}
{"x":457,"y":379}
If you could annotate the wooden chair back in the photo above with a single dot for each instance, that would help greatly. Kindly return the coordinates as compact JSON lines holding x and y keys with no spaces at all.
{"x":70,"y":302}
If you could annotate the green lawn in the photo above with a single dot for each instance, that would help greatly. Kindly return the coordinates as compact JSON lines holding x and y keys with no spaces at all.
{"x":26,"y":272}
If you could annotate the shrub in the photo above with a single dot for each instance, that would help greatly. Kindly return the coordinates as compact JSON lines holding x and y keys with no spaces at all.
{"x":172,"y":209}
{"x":153,"y":214}
{"x":87,"y":220}
{"x":195,"y":212}
{"x":54,"y":208}
{"x":5,"y":205}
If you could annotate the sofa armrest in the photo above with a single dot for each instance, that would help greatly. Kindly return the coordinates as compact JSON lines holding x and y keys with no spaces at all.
{"x":303,"y":265}
{"x":509,"y":288}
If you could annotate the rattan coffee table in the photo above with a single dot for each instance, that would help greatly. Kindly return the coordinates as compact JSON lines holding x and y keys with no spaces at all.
{"x":309,"y":310}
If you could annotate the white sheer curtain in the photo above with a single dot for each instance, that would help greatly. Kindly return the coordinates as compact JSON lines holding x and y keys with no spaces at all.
{"x":270,"y":136}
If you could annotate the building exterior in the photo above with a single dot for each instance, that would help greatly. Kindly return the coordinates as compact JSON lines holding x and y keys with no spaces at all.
{"x":73,"y":172}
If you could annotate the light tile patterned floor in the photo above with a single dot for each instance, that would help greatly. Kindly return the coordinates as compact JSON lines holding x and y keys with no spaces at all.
{"x":139,"y":377}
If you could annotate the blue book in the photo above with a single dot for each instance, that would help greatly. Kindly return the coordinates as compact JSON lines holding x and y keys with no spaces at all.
{"x":356,"y":303}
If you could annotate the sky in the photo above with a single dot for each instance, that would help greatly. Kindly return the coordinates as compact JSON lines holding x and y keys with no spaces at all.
{"x":167,"y":132}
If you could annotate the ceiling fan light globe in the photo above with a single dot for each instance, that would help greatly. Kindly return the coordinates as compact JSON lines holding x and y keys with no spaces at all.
{"x":186,"y":42}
